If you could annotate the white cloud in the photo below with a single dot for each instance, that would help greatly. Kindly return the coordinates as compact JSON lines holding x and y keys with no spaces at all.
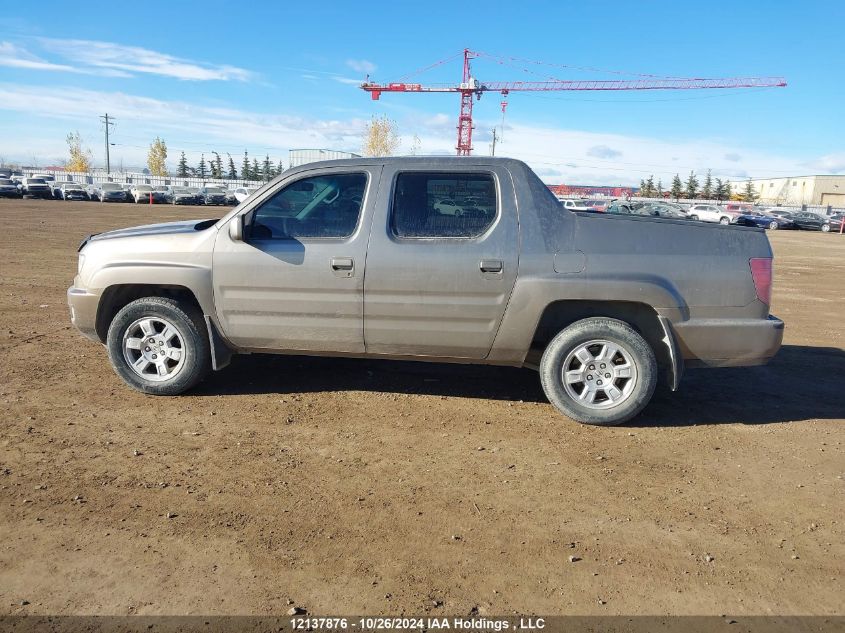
{"x":17,"y":57}
{"x":133,"y":59}
{"x":348,"y":80}
{"x":830,"y":163}
{"x":361,"y":66}
{"x":603,"y":151}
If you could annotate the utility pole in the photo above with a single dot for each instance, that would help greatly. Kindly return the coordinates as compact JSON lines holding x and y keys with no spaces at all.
{"x":493,"y":149}
{"x":108,"y":121}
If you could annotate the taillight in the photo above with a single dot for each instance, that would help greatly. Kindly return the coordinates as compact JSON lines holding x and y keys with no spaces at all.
{"x":761,"y":273}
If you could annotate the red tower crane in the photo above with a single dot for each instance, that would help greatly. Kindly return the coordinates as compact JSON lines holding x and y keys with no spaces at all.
{"x":470,"y":87}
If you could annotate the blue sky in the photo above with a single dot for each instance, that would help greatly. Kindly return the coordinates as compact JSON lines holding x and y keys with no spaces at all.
{"x":269,"y":76}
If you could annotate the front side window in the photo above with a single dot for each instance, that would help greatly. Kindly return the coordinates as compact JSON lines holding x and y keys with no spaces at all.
{"x":326,"y":206}
{"x":429,"y":204}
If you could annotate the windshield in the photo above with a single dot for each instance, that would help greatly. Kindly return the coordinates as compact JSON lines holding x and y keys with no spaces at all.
{"x":180,"y":190}
{"x":35,"y":181}
{"x":110,"y":186}
{"x":4,"y":181}
{"x":145,"y":188}
{"x":213,"y":190}
{"x":71,"y":185}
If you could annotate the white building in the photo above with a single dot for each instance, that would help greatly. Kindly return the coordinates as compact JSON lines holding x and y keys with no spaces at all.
{"x":298,"y":157}
{"x":797,"y":190}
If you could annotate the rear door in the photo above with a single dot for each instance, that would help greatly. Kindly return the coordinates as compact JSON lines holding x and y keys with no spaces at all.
{"x":437,"y":283}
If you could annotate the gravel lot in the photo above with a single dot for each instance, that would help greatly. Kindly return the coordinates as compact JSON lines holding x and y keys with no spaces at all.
{"x":346,"y":486}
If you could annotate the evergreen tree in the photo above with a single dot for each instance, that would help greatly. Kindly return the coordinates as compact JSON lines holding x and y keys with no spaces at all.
{"x":642,"y":187}
{"x":280,"y":168}
{"x":216,"y":166}
{"x":182,"y":167}
{"x":719,"y":190}
{"x":267,"y":169}
{"x":659,"y":188}
{"x":202,"y":169}
{"x":649,"y":187}
{"x":677,"y":187}
{"x":233,"y":172}
{"x":727,"y":190}
{"x":255,"y":170}
{"x":707,"y":189}
{"x":246,"y":172}
{"x":749,"y":194}
{"x":691,"y":186}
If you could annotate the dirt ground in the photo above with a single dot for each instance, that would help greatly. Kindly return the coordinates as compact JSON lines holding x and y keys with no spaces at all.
{"x":348,"y":486}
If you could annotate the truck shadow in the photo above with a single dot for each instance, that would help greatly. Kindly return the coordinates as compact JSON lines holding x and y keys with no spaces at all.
{"x":800,"y":383}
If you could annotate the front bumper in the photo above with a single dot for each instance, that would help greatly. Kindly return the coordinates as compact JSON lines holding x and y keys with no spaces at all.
{"x":83,"y":311}
{"x":728,"y":342}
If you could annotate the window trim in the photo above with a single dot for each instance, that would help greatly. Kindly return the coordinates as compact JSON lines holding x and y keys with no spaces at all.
{"x":390,"y":228}
{"x":249,"y":216}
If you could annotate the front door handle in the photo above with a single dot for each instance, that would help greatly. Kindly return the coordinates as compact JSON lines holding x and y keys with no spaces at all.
{"x":491,"y":265}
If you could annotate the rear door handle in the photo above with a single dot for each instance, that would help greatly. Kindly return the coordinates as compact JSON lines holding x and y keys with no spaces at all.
{"x":491,"y":265}
{"x":342,"y":263}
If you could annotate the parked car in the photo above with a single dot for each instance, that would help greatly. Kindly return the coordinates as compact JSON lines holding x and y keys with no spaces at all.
{"x":576,"y":205}
{"x":812,"y":221}
{"x":109,"y":192}
{"x":764,"y":221}
{"x":712,"y":213}
{"x":242,"y":193}
{"x":662,"y":210}
{"x":147,"y":193}
{"x":836,"y":221}
{"x":181,"y":195}
{"x":599,"y":206}
{"x":231,"y":199}
{"x":602,"y":305}
{"x":36,"y":188}
{"x":127,"y":191}
{"x":211,"y":195}
{"x":9,"y":189}
{"x":70,"y":191}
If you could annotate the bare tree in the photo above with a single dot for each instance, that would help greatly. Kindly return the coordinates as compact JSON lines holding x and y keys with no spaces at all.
{"x":381,"y":137}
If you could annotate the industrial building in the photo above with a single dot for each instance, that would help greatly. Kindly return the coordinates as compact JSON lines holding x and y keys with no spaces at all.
{"x":298,"y":157}
{"x":797,"y":190}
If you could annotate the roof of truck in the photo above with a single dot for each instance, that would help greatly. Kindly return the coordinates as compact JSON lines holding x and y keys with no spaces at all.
{"x":433,"y":161}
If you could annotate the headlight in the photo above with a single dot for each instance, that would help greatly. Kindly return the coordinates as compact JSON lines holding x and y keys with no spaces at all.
{"x":81,"y":263}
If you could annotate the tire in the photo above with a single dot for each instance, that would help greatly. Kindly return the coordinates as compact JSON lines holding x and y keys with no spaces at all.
{"x":633,"y":357}
{"x":724,"y":221}
{"x":188,"y":336}
{"x":825,"y":228}
{"x":773,"y":226}
{"x":693,"y":217}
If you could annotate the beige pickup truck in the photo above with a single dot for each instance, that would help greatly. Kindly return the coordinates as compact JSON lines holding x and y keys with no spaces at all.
{"x":467,"y":260}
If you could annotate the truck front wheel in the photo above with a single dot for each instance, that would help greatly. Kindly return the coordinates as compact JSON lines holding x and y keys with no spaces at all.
{"x":159,"y":346}
{"x":599,"y":371}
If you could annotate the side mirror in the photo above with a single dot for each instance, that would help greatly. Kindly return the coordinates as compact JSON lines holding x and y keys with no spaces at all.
{"x":236,"y":228}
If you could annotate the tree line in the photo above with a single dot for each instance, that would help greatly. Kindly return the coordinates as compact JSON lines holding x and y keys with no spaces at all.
{"x":711,"y":189}
{"x":81,"y":160}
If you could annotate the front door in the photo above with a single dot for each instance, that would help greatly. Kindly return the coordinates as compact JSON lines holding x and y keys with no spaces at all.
{"x":295,"y":281}
{"x":442,"y":261}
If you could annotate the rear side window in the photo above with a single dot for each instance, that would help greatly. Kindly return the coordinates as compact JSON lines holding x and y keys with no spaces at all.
{"x":429,"y":204}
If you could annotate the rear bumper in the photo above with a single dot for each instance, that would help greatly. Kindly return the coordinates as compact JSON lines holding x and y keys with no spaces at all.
{"x":728,"y":342}
{"x":83,"y":311}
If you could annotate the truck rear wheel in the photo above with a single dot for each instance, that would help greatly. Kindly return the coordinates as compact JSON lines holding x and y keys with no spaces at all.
{"x":599,"y":371}
{"x":159,"y":346}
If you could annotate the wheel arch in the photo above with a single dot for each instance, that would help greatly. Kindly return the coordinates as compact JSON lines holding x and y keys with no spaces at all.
{"x":656,"y":330}
{"x":116,"y":296}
